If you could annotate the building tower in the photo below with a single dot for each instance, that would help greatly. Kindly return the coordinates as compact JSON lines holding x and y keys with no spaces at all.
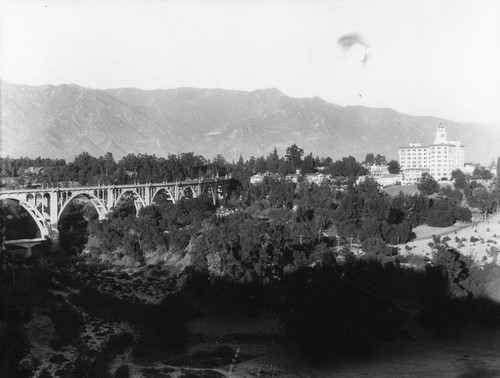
{"x":440,"y":135}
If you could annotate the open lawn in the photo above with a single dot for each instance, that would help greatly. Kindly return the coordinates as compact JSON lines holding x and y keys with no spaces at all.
{"x":486,"y":232}
{"x":394,"y":190}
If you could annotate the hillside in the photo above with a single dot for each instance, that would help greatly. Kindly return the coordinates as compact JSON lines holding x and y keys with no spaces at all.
{"x":62,"y":121}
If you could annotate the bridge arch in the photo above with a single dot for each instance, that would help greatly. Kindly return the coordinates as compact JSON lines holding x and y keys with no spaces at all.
{"x":34,"y":213}
{"x":167,"y":192}
{"x":138,"y":200}
{"x":189,"y":192}
{"x":208,"y":190}
{"x":96,"y":202}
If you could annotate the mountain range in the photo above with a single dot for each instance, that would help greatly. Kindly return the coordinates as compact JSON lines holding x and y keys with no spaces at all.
{"x":64,"y":120}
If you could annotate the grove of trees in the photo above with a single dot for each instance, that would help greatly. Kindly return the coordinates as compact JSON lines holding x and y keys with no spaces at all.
{"x":143,"y":168}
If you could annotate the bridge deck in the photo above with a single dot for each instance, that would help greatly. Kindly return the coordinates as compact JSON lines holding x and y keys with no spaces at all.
{"x":23,"y":241}
{"x":148,"y":185}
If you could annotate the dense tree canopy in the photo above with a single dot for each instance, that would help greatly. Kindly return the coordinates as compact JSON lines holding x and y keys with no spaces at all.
{"x":427,"y":184}
{"x":393,"y":167}
{"x":144,"y":168}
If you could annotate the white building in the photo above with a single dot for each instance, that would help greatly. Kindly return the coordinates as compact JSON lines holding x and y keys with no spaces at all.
{"x":316,"y":178}
{"x":257,"y":179}
{"x":412,"y":175}
{"x":379,"y":170}
{"x":388,"y":179}
{"x":440,"y":158}
{"x":469,"y":169}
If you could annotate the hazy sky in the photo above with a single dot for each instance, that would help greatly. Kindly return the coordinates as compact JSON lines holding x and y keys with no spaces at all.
{"x":425,"y":57}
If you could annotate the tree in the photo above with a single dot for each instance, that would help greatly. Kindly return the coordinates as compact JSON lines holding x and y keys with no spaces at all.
{"x":260,"y":165}
{"x":219,"y":165}
{"x":455,"y":267}
{"x":370,"y":159}
{"x":375,"y":246}
{"x":239,"y":169}
{"x":380,"y":160}
{"x":347,"y":167}
{"x":483,"y":200}
{"x":459,"y":177}
{"x":394,"y":167}
{"x":73,"y":227}
{"x":427,"y":184}
{"x":454,"y":195}
{"x":294,"y":156}
{"x":482,"y":173}
{"x":273,"y":161}
{"x":498,"y":167}
{"x":308,"y":164}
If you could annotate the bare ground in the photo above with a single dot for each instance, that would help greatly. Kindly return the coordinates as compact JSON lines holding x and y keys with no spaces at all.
{"x":487,"y":232}
{"x":476,"y":353}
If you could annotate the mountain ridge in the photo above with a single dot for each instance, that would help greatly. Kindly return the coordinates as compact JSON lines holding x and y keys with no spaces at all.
{"x":64,"y":120}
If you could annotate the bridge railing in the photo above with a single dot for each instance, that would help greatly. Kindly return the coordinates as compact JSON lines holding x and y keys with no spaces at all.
{"x":135,"y":185}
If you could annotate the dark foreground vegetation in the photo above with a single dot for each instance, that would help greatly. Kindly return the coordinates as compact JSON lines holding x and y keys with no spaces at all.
{"x":330,"y":310}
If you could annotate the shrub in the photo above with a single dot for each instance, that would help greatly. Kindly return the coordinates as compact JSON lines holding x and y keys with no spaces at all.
{"x":464,"y":214}
{"x":118,"y":342}
{"x":397,"y":233}
{"x":376,"y":246}
{"x":493,"y":252}
{"x":473,"y":239}
{"x":123,"y":371}
{"x":91,"y":364}
{"x":440,"y":218}
{"x":66,"y":324}
{"x":455,"y":267}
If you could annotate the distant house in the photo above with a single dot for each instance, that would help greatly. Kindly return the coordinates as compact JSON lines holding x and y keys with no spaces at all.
{"x":257,"y":179}
{"x":222,"y":212}
{"x":388,"y":179}
{"x":294,"y":177}
{"x":35,"y":170}
{"x":469,"y":169}
{"x":316,"y":178}
{"x":361,"y":179}
{"x":379,"y":170}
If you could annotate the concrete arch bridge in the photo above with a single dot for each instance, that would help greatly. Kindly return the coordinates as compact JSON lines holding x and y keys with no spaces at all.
{"x":47,"y":205}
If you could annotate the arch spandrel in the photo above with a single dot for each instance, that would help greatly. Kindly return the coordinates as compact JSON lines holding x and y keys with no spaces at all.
{"x":167,"y":192}
{"x":96,"y":202}
{"x":137,"y":198}
{"x":34,"y":213}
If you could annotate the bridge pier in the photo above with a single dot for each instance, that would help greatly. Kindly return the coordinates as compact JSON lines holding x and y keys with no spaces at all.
{"x":53,"y":210}
{"x":25,"y":243}
{"x":111,"y":198}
